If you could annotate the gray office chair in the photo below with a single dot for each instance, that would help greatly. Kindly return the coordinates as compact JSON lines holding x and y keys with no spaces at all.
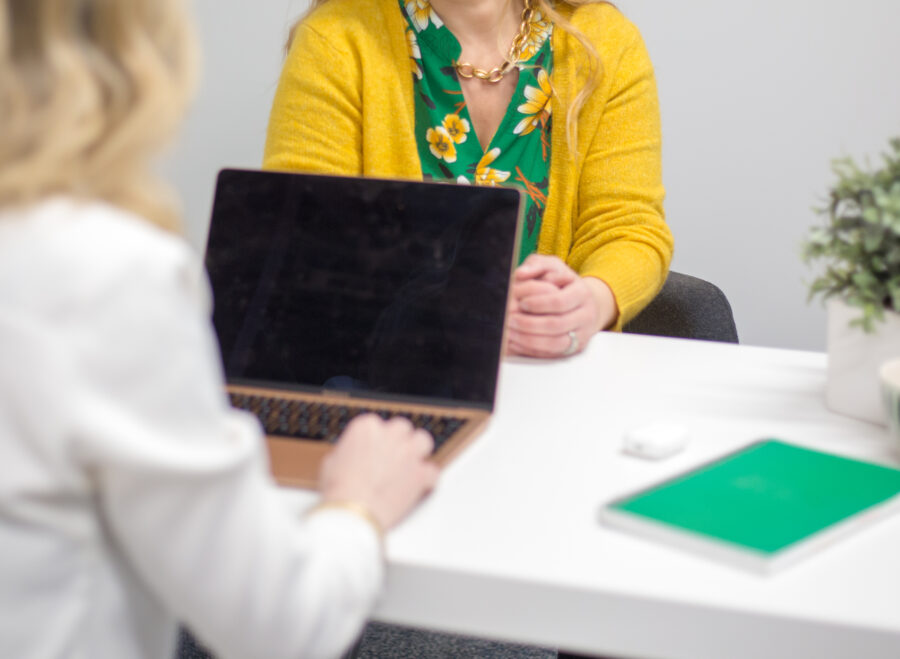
{"x":687,"y":308}
{"x":189,"y":647}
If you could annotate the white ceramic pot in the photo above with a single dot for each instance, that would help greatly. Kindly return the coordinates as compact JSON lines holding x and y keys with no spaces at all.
{"x":854,"y":358}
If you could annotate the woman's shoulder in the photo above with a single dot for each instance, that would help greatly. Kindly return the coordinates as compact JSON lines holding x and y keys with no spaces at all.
{"x":604,"y":24}
{"x":87,"y":247}
{"x":339,"y":20}
{"x":113,"y":236}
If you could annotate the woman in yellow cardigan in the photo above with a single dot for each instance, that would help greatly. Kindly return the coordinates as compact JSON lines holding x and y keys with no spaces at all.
{"x":556,"y":96}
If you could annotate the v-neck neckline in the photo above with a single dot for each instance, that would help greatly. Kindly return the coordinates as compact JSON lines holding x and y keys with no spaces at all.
{"x":444,"y":43}
{"x":508,"y":117}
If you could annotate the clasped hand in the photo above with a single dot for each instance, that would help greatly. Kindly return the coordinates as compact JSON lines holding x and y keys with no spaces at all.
{"x":554,"y":312}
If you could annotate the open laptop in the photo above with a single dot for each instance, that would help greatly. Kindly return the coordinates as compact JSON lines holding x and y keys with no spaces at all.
{"x":335,"y":296}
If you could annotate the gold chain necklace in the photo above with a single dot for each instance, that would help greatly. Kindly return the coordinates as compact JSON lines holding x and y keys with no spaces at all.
{"x":466,"y":70}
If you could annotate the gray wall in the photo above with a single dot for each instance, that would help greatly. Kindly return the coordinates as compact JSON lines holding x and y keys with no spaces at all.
{"x":757,"y":98}
{"x":243,"y":48}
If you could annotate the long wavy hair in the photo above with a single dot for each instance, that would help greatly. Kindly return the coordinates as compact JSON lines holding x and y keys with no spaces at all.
{"x":593,"y":67}
{"x":90,"y":91}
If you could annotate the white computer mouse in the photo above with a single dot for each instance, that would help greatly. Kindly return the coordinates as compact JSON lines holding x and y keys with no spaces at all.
{"x":656,"y":441}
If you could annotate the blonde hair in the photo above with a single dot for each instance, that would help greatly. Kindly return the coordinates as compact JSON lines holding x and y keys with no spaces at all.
{"x":90,"y":90}
{"x":592,"y":68}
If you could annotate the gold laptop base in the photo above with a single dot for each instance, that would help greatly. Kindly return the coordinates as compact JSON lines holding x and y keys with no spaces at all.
{"x":296,"y":462}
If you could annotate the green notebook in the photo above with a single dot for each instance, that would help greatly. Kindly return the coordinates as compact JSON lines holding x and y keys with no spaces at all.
{"x":762,"y":507}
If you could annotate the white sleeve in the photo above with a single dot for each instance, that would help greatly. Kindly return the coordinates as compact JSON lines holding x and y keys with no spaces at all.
{"x":183,"y":482}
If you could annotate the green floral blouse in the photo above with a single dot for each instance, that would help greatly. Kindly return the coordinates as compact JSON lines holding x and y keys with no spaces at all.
{"x":519,"y":152}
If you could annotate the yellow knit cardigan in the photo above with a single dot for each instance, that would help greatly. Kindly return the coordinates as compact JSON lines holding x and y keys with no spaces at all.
{"x":344,"y":105}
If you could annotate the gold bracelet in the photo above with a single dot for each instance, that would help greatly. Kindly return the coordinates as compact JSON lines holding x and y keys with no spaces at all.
{"x":354,"y":507}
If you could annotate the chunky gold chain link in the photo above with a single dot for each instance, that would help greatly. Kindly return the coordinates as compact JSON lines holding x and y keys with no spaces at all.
{"x":466,"y":70}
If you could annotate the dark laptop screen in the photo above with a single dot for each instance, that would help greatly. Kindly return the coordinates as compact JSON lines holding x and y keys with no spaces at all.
{"x":361,"y":285}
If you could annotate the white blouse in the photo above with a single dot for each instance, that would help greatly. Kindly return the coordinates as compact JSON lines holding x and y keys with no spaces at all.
{"x":132,"y":496}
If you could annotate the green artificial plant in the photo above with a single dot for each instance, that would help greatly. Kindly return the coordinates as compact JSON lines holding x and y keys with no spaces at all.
{"x":859,"y":243}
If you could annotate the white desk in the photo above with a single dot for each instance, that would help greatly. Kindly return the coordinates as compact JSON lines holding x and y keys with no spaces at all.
{"x":508,"y":546}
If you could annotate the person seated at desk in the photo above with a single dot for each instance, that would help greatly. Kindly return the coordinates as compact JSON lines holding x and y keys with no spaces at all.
{"x":132,"y":494}
{"x":555,"y":96}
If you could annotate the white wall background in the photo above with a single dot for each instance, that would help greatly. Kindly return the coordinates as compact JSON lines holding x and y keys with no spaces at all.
{"x":757,"y":98}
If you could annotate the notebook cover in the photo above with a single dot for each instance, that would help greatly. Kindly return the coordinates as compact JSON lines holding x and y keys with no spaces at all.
{"x":765,"y":499}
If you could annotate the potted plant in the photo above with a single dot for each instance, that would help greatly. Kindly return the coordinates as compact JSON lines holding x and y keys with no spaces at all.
{"x":858,"y":248}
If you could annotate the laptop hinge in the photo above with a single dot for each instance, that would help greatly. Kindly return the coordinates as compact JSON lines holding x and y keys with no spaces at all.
{"x":337,"y":393}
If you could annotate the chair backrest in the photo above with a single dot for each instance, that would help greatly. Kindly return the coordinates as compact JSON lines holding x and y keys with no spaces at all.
{"x":687,"y":308}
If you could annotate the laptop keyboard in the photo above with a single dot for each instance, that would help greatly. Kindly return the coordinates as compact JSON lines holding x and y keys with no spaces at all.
{"x":325,"y":422}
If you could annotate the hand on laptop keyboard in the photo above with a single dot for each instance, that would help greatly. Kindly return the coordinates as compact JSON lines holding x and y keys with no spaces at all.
{"x":380,"y":465}
{"x":303,"y":419}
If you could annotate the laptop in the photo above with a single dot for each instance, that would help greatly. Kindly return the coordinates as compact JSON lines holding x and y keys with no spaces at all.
{"x":337,"y":296}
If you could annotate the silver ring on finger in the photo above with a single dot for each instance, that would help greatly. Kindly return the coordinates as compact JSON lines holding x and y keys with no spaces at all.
{"x":572,"y":348}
